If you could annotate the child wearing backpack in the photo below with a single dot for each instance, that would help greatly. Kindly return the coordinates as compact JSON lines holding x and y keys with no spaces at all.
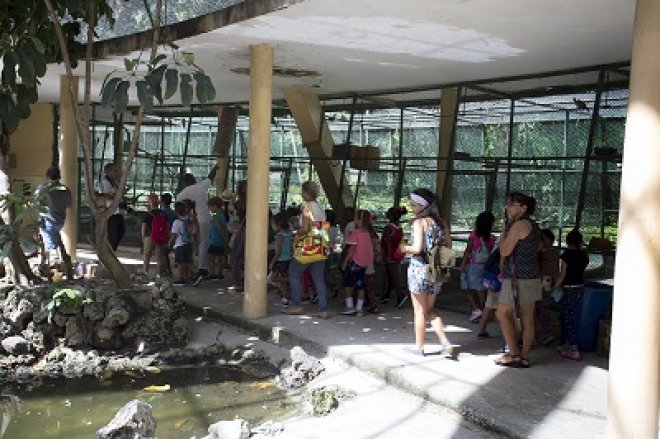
{"x":154,"y":234}
{"x":480,"y":245}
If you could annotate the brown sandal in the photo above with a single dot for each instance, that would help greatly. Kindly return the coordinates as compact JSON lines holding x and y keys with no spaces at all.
{"x":508,"y":360}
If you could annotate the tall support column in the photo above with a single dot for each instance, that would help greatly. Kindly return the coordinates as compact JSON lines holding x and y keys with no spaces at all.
{"x":261,"y":96}
{"x":444,"y":180}
{"x":227,"y":119}
{"x":634,"y":376}
{"x":68,"y":150}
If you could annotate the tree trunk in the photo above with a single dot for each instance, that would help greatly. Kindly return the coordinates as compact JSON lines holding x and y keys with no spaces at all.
{"x":107,"y":256}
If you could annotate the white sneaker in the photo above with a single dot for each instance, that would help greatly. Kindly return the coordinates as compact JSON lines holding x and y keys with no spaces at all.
{"x":475,"y":316}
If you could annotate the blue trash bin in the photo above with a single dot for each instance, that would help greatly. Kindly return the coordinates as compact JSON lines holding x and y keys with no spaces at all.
{"x":591,"y":308}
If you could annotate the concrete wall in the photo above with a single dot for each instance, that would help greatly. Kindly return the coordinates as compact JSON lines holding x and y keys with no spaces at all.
{"x":32,"y":148}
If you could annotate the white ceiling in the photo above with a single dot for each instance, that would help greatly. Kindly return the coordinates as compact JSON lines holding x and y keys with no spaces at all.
{"x":367,"y":45}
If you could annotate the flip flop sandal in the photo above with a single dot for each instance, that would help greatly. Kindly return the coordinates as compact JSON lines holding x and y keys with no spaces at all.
{"x":524,"y":363}
{"x":514,"y":361}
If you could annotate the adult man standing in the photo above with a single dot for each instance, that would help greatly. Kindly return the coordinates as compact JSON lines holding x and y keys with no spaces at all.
{"x":105,"y":189}
{"x":56,"y":199}
{"x":198,"y":193}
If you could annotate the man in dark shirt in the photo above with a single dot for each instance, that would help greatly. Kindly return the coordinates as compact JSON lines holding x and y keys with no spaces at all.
{"x":56,"y":198}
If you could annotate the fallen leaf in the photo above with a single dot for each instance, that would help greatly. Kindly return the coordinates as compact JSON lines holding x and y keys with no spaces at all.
{"x":163,"y":388}
{"x":180,"y":423}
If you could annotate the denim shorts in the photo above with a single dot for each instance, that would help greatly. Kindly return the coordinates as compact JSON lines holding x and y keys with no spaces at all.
{"x":49,"y":231}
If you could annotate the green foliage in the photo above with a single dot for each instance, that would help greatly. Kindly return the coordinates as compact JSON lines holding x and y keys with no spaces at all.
{"x":27,"y":43}
{"x":180,"y":73}
{"x":25,"y":210}
{"x":65,"y":297}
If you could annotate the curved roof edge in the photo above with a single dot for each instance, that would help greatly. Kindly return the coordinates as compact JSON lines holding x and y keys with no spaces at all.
{"x":189,"y":28}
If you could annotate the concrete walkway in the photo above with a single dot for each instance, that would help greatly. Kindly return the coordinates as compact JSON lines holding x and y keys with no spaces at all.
{"x":554,"y":398}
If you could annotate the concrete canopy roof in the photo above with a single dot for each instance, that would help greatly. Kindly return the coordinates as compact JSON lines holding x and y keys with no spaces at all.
{"x":340,"y":47}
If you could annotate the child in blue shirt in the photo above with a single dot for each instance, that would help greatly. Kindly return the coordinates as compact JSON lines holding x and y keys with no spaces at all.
{"x":218,"y":241}
{"x":279,"y":264}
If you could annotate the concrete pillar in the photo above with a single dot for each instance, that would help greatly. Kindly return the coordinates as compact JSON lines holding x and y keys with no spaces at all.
{"x":227,"y":119}
{"x":634,"y":376}
{"x":306,"y":109}
{"x":443,"y":186}
{"x":256,"y":264}
{"x":68,"y":148}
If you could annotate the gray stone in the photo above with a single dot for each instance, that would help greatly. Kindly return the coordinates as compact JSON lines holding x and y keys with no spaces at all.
{"x":106,"y":338}
{"x":93,"y":312}
{"x":40,"y":316}
{"x":115,"y":301}
{"x":22,"y":314}
{"x":135,"y":421}
{"x":141,"y":300}
{"x":304,"y":368}
{"x":116,"y":317}
{"x":16,"y":345}
{"x":74,"y":332}
{"x":268,"y":428}
{"x":168,"y":292}
{"x":59,"y":319}
{"x":236,"y":429}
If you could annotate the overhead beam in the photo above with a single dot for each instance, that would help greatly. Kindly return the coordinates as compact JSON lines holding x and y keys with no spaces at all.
{"x":306,"y":109}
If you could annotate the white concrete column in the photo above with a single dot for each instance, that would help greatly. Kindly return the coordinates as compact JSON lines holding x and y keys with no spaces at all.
{"x":634,"y":376}
{"x":68,"y":149}
{"x":256,"y":253}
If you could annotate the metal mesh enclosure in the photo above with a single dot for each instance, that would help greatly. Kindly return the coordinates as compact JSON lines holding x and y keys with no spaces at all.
{"x":558,"y":138}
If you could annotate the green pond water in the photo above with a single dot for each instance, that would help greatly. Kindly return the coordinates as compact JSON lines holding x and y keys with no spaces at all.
{"x":198,"y":397}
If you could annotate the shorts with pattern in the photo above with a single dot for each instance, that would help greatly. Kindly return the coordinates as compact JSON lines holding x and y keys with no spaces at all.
{"x":355,"y":276}
{"x":417,"y":283}
{"x":473,"y":278}
{"x":183,"y":254}
{"x":529,"y":291}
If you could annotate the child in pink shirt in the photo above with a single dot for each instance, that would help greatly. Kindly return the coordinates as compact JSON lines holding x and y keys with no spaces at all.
{"x":359,"y":256}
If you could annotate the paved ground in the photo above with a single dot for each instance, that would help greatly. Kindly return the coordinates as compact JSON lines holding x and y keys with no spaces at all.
{"x":554,"y":398}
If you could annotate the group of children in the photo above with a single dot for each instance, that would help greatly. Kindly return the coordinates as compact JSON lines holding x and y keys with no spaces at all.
{"x":355,"y":253}
{"x":166,"y":230}
{"x":562,"y":278}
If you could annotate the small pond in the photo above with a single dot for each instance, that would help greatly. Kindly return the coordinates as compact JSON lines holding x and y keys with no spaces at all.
{"x":198,"y":396}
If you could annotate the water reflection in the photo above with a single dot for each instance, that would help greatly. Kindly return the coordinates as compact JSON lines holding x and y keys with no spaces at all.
{"x":198,"y":397}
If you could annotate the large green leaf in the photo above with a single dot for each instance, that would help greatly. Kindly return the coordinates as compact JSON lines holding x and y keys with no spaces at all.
{"x":9,"y":112}
{"x":120,"y":102}
{"x":145,"y":95}
{"x":188,"y":58}
{"x":9,"y":69}
{"x":26,"y":68}
{"x":155,"y":78}
{"x":171,"y":83}
{"x":186,"y":89}
{"x":23,"y":96}
{"x":204,"y":88}
{"x":108,"y":92}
